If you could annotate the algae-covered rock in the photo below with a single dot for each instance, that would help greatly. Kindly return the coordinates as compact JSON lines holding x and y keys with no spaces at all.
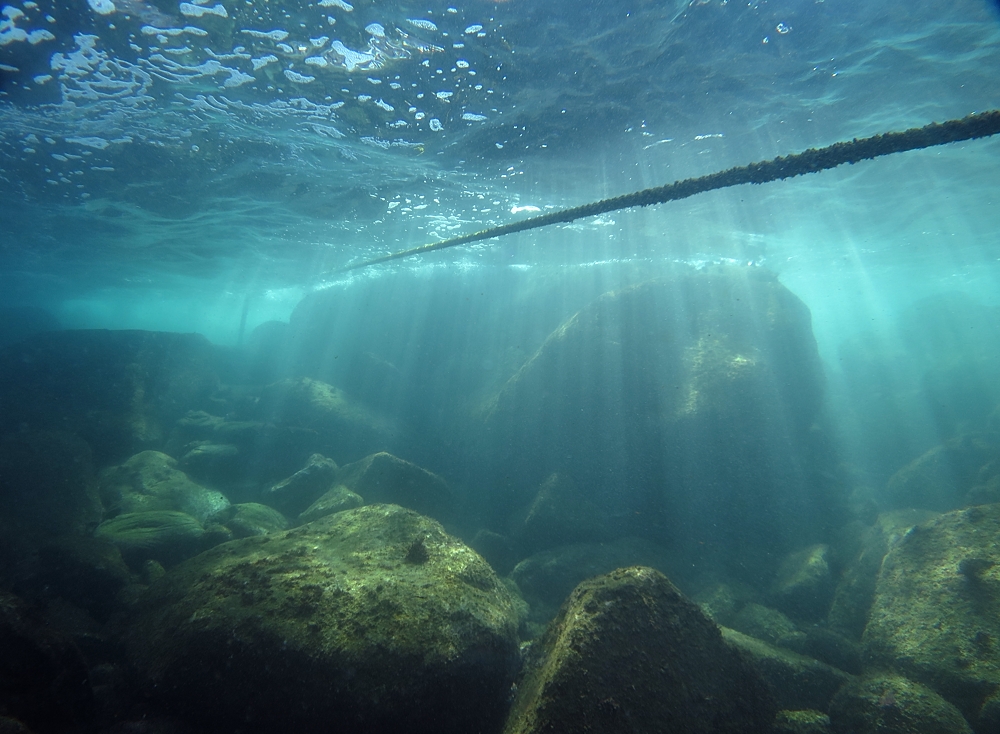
{"x":628,"y":652}
{"x":891,"y":704}
{"x":385,"y":478}
{"x":151,"y":481}
{"x":936,"y":614}
{"x":798,"y":682}
{"x":801,"y":722}
{"x":373,"y":618}
{"x":855,"y":589}
{"x":764,"y":623}
{"x":251,"y":518}
{"x":804,"y":585}
{"x":337,"y":499}
{"x":162,"y":535}
{"x":294,"y":494}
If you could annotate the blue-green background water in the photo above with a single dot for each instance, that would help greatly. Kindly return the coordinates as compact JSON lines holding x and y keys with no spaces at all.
{"x":166,"y":166}
{"x":759,"y":391}
{"x":161,"y":167}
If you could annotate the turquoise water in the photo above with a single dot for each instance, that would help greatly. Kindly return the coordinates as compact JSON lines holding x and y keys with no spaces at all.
{"x":213,"y":166}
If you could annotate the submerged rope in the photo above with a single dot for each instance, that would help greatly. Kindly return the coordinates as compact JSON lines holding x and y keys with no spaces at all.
{"x":979,"y":125}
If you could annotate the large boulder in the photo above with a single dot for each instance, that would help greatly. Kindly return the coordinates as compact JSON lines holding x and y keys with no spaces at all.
{"x":373,"y":619}
{"x":934,"y":618}
{"x":891,"y":704}
{"x":151,"y":481}
{"x":798,"y":681}
{"x":685,"y":405}
{"x":628,"y":652}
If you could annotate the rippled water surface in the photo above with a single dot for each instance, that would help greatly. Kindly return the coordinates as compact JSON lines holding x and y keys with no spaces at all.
{"x":220,"y":146}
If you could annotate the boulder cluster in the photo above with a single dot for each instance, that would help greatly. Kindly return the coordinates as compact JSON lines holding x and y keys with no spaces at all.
{"x":199,"y":539}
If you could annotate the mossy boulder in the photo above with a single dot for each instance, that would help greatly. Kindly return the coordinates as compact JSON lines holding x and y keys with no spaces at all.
{"x":798,"y":681}
{"x":295,"y":493}
{"x":247,"y":519}
{"x":852,"y":598}
{"x":936,"y":613}
{"x":374,"y":619}
{"x":891,"y":704}
{"x":162,"y":535}
{"x":805,"y":721}
{"x":150,"y":480}
{"x":384,"y":478}
{"x":628,"y":652}
{"x":337,"y":499}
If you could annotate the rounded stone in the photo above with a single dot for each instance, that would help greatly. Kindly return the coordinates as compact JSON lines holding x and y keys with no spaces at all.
{"x":372,"y":619}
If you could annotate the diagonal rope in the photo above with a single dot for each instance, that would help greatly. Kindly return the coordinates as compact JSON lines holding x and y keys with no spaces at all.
{"x":978,"y":125}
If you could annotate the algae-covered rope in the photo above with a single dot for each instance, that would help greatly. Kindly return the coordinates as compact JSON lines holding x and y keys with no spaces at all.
{"x":979,"y":125}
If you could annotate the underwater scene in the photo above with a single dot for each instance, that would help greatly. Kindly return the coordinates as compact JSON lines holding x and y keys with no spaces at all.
{"x":499,"y":366}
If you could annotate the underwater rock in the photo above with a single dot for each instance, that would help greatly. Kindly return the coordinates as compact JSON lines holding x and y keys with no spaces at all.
{"x":162,"y":535}
{"x":686,"y":404}
{"x":546,"y":578}
{"x":804,"y":585}
{"x":43,"y":676}
{"x":855,"y":590}
{"x":764,"y":623}
{"x":248,"y":519}
{"x":559,"y":515}
{"x":933,"y":623}
{"x":294,"y":494}
{"x":347,"y":429}
{"x":801,"y":722}
{"x":939,"y":479}
{"x":47,"y":482}
{"x":385,"y":478}
{"x":798,"y":681}
{"x":329,"y":622}
{"x":628,"y":652}
{"x":891,"y":704}
{"x":151,"y":481}
{"x":337,"y":499}
{"x":118,"y":390}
